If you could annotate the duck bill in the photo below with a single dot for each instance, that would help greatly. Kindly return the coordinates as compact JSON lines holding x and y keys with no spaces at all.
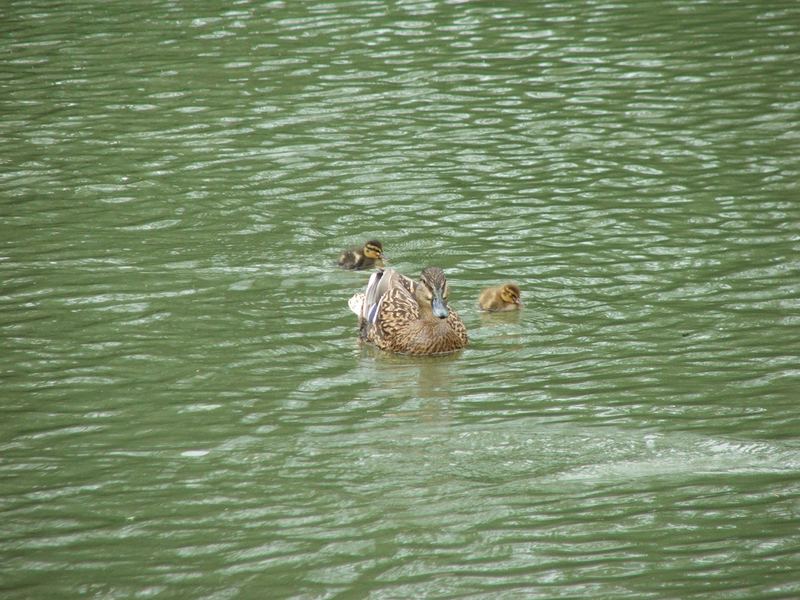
{"x":439,"y":307}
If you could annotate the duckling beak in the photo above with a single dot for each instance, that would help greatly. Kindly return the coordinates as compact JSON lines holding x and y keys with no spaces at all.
{"x":439,"y":307}
{"x":518,"y":302}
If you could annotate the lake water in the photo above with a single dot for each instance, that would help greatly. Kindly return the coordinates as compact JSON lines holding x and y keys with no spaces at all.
{"x":186,"y":411}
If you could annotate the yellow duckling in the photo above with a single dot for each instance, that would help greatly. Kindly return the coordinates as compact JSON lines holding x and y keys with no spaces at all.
{"x":371,"y":255}
{"x":501,"y":298}
{"x":367,"y":257}
{"x":400,"y":315}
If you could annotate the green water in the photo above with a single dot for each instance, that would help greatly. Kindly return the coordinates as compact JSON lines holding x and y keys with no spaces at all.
{"x":186,"y":411}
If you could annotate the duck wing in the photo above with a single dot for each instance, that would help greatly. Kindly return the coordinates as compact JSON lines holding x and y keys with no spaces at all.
{"x":397,"y":309}
{"x":380,"y":284}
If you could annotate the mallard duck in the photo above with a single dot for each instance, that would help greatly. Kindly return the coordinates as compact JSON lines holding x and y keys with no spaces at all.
{"x":400,"y":315}
{"x":370,"y":255}
{"x":501,"y":298}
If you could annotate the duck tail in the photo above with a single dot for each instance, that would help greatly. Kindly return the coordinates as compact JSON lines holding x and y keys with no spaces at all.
{"x":356,"y":302}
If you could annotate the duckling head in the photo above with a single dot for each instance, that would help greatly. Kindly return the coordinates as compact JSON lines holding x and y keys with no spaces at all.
{"x":433,"y":291}
{"x":373,"y":249}
{"x":510,"y":294}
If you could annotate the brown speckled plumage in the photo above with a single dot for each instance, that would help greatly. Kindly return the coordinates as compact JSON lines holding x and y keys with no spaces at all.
{"x":399,"y":315}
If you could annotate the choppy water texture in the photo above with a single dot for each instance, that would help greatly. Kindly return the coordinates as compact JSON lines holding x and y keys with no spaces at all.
{"x":186,"y":412}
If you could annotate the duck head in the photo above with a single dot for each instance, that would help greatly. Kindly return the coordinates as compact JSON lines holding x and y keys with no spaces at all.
{"x":374,"y":249}
{"x":510,"y":294}
{"x":433,"y":291}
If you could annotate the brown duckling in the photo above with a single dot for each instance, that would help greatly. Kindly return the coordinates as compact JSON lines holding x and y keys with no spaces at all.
{"x":501,"y":298}
{"x":400,"y":315}
{"x":367,"y":257}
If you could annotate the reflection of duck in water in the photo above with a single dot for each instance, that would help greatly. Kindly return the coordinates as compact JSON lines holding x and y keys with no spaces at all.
{"x":501,"y":298}
{"x":366,"y":257}
{"x":400,"y":315}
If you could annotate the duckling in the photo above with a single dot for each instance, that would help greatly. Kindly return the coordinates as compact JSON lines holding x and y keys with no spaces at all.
{"x":501,"y":298}
{"x":404,"y":316}
{"x":370,"y":255}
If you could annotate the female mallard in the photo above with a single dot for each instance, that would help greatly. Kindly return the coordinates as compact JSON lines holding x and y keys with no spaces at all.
{"x":370,"y":255}
{"x":408,"y":317}
{"x":501,"y":298}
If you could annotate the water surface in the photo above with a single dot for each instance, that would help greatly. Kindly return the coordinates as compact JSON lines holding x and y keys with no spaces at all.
{"x":186,"y":410}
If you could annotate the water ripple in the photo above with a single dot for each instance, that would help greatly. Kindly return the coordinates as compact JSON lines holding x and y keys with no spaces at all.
{"x":187,"y":406}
